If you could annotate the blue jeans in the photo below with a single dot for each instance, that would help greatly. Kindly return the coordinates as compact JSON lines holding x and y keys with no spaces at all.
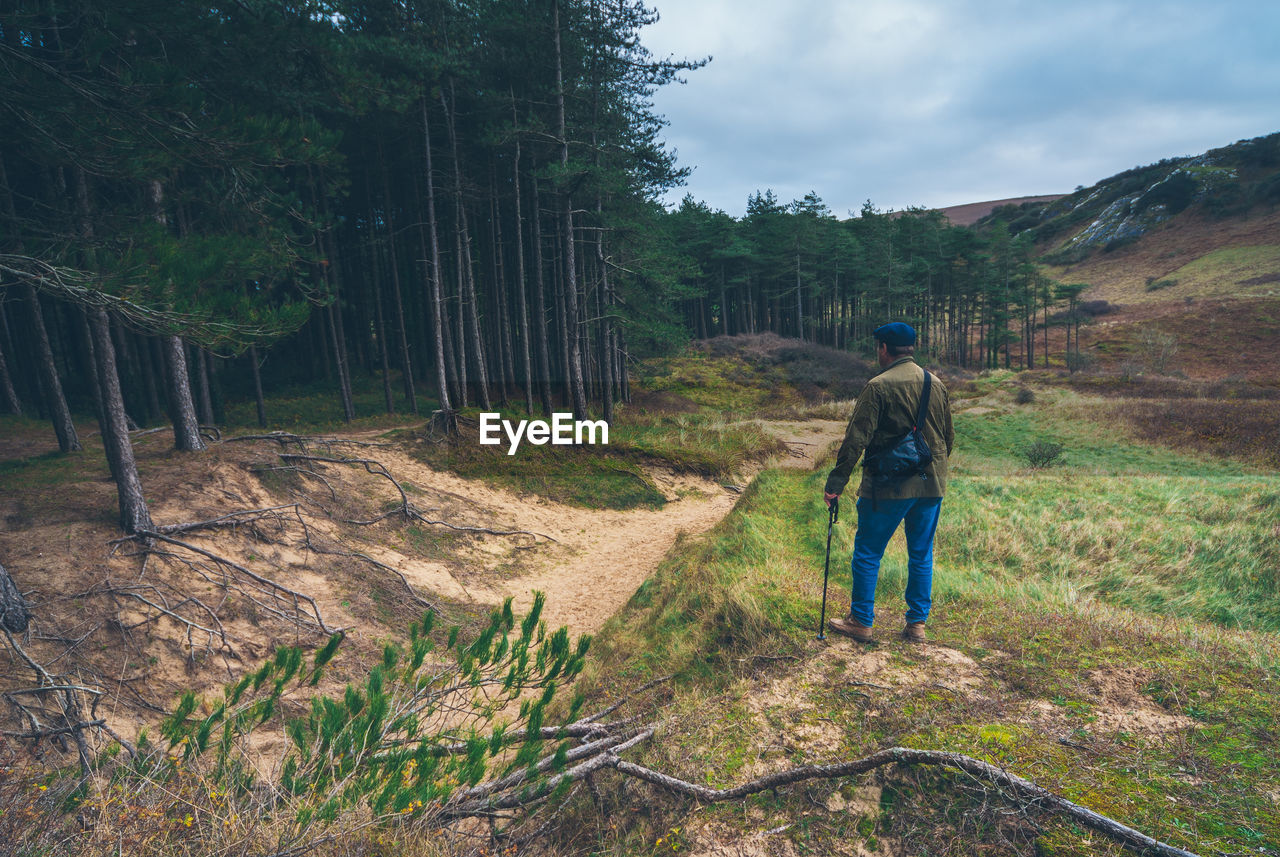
{"x":875,"y":528}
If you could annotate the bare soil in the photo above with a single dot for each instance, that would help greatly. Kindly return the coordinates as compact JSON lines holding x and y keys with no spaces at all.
{"x":114,"y":618}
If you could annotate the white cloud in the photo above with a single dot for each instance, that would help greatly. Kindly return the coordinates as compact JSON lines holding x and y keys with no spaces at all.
{"x":935,"y":102}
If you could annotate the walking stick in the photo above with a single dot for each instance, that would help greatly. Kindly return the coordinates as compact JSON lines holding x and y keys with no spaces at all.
{"x":826,"y":568}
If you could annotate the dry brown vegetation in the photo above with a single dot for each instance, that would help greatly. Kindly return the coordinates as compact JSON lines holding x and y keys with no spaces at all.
{"x":1122,"y":276}
{"x":1243,"y":430}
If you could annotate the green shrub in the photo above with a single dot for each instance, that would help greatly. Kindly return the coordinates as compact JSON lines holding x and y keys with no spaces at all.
{"x":1042,"y":453}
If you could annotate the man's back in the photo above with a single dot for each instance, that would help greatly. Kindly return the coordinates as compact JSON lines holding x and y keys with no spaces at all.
{"x":886,"y":410}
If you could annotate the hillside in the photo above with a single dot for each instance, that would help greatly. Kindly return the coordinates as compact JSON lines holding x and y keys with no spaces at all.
{"x":1186,"y":250}
{"x":970,"y":213}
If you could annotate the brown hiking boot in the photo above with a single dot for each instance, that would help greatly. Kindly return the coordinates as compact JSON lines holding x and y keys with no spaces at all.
{"x":914,"y":633}
{"x":850,"y":628}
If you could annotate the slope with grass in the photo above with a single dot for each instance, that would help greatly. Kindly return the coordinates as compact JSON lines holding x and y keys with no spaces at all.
{"x":1185,"y":250}
{"x":1106,"y":627}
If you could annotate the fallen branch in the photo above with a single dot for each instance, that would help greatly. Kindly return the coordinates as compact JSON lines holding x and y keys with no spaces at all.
{"x":232,"y":520}
{"x":1023,"y":789}
{"x":280,"y":590}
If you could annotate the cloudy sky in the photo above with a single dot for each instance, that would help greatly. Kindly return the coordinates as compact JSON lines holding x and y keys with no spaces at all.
{"x":943,"y":102}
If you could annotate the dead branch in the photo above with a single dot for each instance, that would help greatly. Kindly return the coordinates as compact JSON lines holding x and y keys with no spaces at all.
{"x":406,"y":508}
{"x":56,"y":709}
{"x":233,"y":520}
{"x":1021,"y":789}
{"x":513,"y":790}
{"x":600,"y":715}
{"x":282,"y":592}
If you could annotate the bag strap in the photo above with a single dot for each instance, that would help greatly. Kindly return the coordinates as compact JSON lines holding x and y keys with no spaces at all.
{"x":924,"y":401}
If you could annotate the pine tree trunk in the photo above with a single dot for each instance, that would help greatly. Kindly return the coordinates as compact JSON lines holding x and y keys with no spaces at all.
{"x":576,"y":387}
{"x":562,"y":319}
{"x":15,"y":613}
{"x":504,"y":338}
{"x":437,"y":299}
{"x":12,"y":404}
{"x":134,"y":515}
{"x":340,"y":359}
{"x":540,"y":319}
{"x":406,"y":364}
{"x":606,"y":336}
{"x":146,"y":368}
{"x":204,"y":401}
{"x":55,"y":401}
{"x":257,"y":386}
{"x":459,"y":323}
{"x":15,"y":365}
{"x":379,"y":327}
{"x":89,"y":367}
{"x":186,"y":428}
{"x":521,"y":282}
{"x":466,"y":281}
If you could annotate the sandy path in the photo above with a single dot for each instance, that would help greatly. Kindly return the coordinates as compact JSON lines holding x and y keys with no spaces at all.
{"x":613,"y":552}
{"x":599,"y":557}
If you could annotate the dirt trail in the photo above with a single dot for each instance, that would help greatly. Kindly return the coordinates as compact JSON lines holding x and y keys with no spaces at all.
{"x":598,"y":557}
{"x":608,"y":554}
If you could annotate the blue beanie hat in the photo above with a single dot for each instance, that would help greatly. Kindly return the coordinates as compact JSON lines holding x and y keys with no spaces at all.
{"x":896,"y":334}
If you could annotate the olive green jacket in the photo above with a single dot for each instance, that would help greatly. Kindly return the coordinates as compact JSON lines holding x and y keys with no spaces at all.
{"x":885,"y":411}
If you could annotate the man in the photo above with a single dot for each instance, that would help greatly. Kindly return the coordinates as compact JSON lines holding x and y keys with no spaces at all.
{"x":885,"y":411}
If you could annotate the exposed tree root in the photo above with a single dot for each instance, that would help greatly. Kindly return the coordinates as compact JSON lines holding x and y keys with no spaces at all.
{"x":284,"y":602}
{"x":406,"y":509}
{"x":418,"y":599}
{"x":285,"y":438}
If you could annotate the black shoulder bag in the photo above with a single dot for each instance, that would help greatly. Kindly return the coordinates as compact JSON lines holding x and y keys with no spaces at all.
{"x":908,"y":456}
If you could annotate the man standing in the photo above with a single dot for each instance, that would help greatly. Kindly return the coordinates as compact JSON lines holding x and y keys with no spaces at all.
{"x":886,"y":410}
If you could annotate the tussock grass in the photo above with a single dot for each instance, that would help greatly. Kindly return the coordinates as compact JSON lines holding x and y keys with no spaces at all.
{"x":317,"y":407}
{"x":612,"y":476}
{"x":751,"y":374}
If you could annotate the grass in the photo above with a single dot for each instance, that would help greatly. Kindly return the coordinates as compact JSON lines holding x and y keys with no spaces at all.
{"x":1222,"y":271}
{"x":1130,"y":565}
{"x":612,"y":476}
{"x":317,"y":407}
{"x":750,"y":375}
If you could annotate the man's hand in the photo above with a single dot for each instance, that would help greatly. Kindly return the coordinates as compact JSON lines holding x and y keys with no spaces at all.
{"x":829,"y":498}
